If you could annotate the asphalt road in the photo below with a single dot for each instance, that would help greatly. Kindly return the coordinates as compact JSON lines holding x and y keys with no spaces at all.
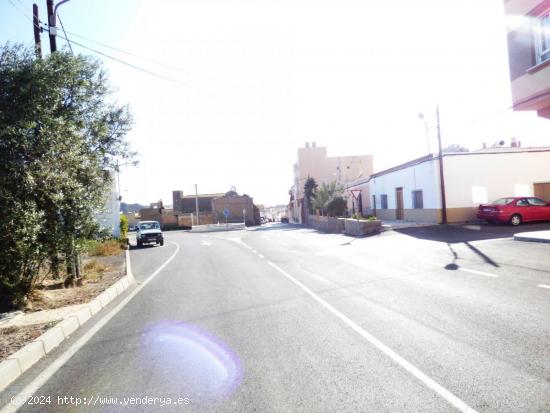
{"x":286,"y":319}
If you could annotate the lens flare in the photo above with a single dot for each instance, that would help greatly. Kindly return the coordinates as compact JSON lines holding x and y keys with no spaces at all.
{"x":193,"y":360}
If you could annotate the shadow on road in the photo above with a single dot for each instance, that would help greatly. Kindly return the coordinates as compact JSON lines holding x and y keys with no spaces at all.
{"x":465,"y":233}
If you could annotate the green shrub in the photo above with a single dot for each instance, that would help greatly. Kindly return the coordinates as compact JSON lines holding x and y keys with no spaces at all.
{"x":123,"y":226}
{"x":337,"y":206}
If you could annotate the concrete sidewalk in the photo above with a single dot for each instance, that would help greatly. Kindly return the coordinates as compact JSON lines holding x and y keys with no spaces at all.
{"x":535,"y":236}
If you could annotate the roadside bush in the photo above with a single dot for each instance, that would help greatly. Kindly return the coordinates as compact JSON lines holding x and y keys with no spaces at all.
{"x":372,"y":218}
{"x":123,"y":226}
{"x":336,"y":207}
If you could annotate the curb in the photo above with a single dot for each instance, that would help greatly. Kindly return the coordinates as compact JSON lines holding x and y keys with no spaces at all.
{"x":23,"y":359}
{"x":531,"y":239}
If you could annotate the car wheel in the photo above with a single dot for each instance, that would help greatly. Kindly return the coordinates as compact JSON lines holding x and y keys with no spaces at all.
{"x":139,"y":244}
{"x":515,"y":220}
{"x":161,"y":242}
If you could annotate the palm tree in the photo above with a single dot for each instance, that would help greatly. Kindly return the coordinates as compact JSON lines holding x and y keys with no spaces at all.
{"x":325,"y":193}
{"x":309,"y":192}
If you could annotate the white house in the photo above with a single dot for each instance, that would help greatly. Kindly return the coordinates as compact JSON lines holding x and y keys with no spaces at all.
{"x":412,"y":191}
{"x":109,"y":217}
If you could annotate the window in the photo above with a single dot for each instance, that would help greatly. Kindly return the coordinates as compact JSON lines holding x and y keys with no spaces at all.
{"x":536,"y":202}
{"x":383,"y":201}
{"x":417,"y":198}
{"x":542,"y":38}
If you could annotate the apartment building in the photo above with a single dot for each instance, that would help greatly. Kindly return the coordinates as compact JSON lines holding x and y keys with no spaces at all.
{"x":314,"y":162}
{"x":528,"y":27}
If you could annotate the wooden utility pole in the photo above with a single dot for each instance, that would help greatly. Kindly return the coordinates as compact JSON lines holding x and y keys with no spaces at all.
{"x":51,"y":25}
{"x":37,"y":30}
{"x":441,"y":177}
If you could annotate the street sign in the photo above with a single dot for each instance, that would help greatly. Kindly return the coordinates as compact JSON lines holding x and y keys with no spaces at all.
{"x":356,"y":193}
{"x":226,"y":212}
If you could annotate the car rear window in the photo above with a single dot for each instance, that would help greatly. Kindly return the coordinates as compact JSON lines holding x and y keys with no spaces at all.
{"x":149,"y":225}
{"x":502,"y":201}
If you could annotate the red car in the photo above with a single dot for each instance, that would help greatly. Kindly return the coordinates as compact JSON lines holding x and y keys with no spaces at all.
{"x":515,"y":210}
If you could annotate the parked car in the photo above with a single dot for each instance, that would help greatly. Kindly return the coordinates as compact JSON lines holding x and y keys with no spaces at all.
{"x":515,"y":210}
{"x":284,"y":220}
{"x":149,"y":232}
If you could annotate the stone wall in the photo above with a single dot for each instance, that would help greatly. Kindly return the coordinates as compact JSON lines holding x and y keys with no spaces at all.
{"x":359,"y":228}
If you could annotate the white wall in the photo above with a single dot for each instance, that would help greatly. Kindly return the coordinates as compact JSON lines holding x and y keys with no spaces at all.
{"x":109,"y":218}
{"x":422,"y":176}
{"x":477,"y":178}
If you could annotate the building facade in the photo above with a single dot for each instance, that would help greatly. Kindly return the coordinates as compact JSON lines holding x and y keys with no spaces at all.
{"x":108,"y":218}
{"x":412,"y":191}
{"x":528,"y":27}
{"x":314,"y":162}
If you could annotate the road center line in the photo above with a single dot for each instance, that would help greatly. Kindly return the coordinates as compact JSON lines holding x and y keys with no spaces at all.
{"x":48,"y":372}
{"x":206,"y":243}
{"x":430,"y":383}
{"x":486,"y":274}
{"x":544,"y":286}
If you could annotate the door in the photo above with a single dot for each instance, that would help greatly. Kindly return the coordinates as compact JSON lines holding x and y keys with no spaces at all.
{"x":540,"y":209}
{"x":399,"y":203}
{"x":542,"y":191}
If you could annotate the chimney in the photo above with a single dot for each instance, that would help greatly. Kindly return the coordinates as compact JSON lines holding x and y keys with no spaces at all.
{"x":313,"y":144}
{"x":307,"y":145}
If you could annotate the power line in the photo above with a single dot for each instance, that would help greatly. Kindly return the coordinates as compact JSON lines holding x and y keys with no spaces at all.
{"x":148,"y":59}
{"x":133,"y":66}
{"x":26,"y":15}
{"x":63,"y":27}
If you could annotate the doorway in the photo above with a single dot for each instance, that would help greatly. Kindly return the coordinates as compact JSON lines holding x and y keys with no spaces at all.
{"x":542,"y":191}
{"x":399,"y":213}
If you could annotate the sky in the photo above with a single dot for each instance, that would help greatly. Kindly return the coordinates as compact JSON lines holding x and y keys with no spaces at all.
{"x":242,"y":84}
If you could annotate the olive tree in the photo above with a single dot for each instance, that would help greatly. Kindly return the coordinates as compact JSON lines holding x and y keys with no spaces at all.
{"x":60,"y":135}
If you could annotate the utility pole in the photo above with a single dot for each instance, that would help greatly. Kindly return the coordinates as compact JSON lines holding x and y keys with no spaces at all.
{"x":37,"y":30}
{"x":51,"y":26}
{"x":441,"y":178}
{"x":197,"y":202}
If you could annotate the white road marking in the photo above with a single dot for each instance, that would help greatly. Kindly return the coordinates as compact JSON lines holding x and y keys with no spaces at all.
{"x":429,"y":382}
{"x":485,"y":274}
{"x":487,"y":241}
{"x":260,"y":255}
{"x":544,"y":286}
{"x":240,"y":242}
{"x":49,"y":371}
{"x":206,"y":243}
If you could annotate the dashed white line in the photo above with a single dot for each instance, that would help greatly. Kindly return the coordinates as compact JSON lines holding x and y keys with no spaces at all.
{"x":260,"y":255}
{"x":429,"y":382}
{"x":544,"y":286}
{"x":206,"y":243}
{"x":240,"y":242}
{"x":485,"y":274}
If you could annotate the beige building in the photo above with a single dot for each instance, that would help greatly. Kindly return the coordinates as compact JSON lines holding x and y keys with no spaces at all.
{"x":528,"y":27}
{"x":314,"y":162}
{"x":240,"y":208}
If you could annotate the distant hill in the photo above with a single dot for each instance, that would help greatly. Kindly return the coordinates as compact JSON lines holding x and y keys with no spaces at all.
{"x":126,"y":208}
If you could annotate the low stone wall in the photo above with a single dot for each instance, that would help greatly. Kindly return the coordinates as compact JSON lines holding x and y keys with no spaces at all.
{"x":348,"y":226}
{"x":359,"y":228}
{"x":326,"y":224}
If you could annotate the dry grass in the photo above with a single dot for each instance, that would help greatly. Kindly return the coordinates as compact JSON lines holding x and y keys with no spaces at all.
{"x":94,"y":270}
{"x":105,"y":248}
{"x":15,"y":337}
